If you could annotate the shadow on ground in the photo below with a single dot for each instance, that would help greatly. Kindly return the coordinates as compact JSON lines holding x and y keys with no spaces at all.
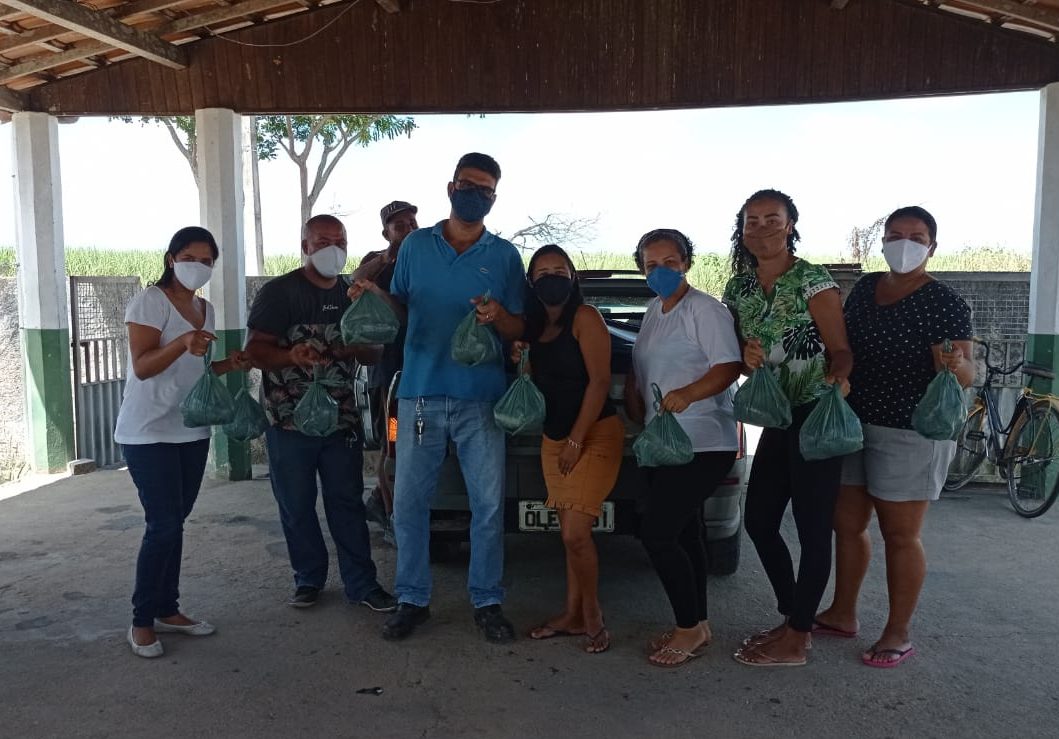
{"x":985,"y":633}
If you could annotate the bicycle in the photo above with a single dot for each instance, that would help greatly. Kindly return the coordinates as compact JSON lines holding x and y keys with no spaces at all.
{"x":1025,"y":450}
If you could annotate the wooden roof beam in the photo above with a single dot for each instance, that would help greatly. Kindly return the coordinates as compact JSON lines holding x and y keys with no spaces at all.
{"x":390,"y":6}
{"x":839,"y":4}
{"x":1030,"y":13}
{"x":103,"y":28}
{"x":220,"y":15}
{"x":11,"y":101}
{"x":40,"y":63}
{"x":129,"y":10}
{"x":29,"y":38}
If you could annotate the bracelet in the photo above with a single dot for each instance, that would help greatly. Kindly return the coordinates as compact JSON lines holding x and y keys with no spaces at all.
{"x":574,"y":444}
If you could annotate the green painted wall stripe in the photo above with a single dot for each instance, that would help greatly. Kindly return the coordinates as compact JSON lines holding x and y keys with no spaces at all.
{"x":230,"y":459}
{"x":1041,"y":350}
{"x":49,"y":398}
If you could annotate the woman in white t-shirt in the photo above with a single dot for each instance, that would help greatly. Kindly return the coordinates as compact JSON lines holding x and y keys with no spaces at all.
{"x":170,"y":329}
{"x":687,"y":345}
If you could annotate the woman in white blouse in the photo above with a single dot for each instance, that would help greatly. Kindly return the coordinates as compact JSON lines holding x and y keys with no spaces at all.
{"x":170,"y":329}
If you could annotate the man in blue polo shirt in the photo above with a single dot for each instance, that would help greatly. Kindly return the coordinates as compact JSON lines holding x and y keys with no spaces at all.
{"x":442,"y":273}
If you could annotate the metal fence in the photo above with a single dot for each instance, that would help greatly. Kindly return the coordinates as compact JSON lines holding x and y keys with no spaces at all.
{"x":100,"y":352}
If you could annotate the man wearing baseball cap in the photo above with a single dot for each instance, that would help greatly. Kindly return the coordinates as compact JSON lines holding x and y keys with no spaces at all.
{"x":398,"y":220}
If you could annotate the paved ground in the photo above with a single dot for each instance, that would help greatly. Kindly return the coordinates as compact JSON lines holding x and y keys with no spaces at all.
{"x":986,"y":634}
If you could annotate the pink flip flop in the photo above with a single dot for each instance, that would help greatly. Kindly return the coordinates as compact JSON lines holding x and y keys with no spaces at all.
{"x":902,"y":654}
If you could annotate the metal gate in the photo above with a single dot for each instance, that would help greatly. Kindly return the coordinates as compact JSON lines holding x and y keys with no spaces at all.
{"x":100,"y":350}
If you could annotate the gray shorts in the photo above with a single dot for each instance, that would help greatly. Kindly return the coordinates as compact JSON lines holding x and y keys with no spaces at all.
{"x":899,"y":465}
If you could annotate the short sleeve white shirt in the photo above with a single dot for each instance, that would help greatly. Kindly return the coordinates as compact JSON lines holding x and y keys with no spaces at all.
{"x":678,"y":348}
{"x":150,"y":409}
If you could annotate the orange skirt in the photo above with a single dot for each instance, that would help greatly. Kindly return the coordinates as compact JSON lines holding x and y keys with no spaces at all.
{"x":592,"y":479}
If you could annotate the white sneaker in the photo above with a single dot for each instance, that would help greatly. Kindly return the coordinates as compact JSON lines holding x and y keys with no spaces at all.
{"x":200,"y":628}
{"x":148,"y":651}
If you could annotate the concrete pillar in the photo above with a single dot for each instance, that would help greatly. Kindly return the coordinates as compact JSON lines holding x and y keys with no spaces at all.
{"x":1043,"y":345}
{"x":42,"y":305}
{"x":220,"y":163}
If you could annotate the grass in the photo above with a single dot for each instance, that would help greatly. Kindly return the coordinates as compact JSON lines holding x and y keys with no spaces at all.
{"x":708,"y":273}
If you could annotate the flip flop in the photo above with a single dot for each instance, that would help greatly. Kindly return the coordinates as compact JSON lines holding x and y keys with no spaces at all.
{"x":744,"y":659}
{"x":828,"y":630}
{"x":660,"y":643}
{"x":874,"y":652}
{"x":597,"y":643}
{"x":551,"y":633}
{"x":687,"y":655}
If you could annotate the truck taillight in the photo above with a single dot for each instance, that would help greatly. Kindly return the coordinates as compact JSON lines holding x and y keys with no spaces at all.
{"x":391,"y":430}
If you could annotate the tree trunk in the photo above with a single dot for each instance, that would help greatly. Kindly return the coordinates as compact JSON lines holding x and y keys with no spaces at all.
{"x":259,"y":232}
{"x":303,"y":181}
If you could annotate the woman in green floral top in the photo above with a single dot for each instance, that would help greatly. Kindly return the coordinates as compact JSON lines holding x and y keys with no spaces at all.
{"x":789,"y":317}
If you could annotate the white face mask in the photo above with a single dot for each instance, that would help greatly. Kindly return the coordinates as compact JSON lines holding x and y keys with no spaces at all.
{"x":329,"y":261}
{"x":904,"y":255}
{"x":192,"y":275}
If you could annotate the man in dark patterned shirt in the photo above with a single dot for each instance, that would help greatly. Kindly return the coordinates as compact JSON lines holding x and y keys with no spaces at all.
{"x":296,"y":340}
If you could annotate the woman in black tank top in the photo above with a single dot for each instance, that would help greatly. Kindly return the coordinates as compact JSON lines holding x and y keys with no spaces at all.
{"x":569,"y":358}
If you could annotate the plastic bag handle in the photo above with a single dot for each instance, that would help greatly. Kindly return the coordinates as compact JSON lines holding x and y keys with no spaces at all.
{"x":658,"y":397}
{"x":946,"y":346}
{"x":207,"y":358}
{"x":523,"y":358}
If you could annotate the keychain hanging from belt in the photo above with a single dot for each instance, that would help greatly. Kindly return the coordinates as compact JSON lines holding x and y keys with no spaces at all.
{"x":420,"y":423}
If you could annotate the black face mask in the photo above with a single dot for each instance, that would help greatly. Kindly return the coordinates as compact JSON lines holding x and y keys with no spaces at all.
{"x":553,"y":290}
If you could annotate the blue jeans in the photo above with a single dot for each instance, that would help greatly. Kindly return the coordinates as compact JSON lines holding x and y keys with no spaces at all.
{"x":294,"y":461}
{"x":480,"y":448}
{"x":167,"y":479}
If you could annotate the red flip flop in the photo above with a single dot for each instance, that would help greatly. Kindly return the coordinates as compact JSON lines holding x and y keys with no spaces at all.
{"x":826,"y":630}
{"x":901,"y":654}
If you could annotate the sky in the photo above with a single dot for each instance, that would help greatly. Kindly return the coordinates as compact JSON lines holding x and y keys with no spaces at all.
{"x":971,"y":160}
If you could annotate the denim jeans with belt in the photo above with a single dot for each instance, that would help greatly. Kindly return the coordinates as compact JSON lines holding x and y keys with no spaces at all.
{"x":167,"y":479}
{"x":294,"y":461}
{"x":480,"y":448}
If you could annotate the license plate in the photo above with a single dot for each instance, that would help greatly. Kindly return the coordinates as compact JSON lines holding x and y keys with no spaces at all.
{"x":534,"y":516}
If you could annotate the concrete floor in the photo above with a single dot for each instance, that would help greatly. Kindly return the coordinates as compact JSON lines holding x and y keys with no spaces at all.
{"x":986,"y":634}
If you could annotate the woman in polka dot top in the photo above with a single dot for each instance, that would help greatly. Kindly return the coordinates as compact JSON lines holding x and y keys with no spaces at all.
{"x":898,"y":322}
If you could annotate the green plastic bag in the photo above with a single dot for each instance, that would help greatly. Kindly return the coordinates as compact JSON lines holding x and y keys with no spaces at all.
{"x":209,"y":403}
{"x":474,"y":343}
{"x":940,"y":413}
{"x":249,"y":421}
{"x":317,"y":412}
{"x":521,"y":409}
{"x":369,"y":320}
{"x":832,"y":428}
{"x":663,"y":442}
{"x":760,"y":401}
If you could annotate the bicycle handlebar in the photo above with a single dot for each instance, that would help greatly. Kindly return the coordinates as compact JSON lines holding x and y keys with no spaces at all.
{"x":992,"y":369}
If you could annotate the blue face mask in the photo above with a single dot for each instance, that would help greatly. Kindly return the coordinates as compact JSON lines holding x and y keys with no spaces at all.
{"x":470,"y":206}
{"x":664,"y":281}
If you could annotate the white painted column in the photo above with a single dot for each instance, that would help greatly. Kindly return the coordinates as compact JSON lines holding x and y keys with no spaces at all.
{"x":42,"y":304}
{"x":1044,"y":275}
{"x":220,"y":164}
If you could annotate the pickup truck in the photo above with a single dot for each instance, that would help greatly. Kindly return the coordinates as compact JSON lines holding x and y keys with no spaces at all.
{"x":621,"y":297}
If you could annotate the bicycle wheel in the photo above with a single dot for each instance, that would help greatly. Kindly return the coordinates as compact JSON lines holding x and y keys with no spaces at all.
{"x":1031,"y":460}
{"x":970,"y":450}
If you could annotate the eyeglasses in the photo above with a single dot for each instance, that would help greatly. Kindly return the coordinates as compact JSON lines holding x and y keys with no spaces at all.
{"x":462,"y":184}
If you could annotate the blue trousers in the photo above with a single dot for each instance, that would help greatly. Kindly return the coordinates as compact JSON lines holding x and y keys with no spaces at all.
{"x":167,"y":478}
{"x":480,"y":448}
{"x":295,"y":461}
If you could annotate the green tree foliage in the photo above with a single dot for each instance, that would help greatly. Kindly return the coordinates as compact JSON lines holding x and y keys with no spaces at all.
{"x":298,"y":136}
{"x":310,"y":141}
